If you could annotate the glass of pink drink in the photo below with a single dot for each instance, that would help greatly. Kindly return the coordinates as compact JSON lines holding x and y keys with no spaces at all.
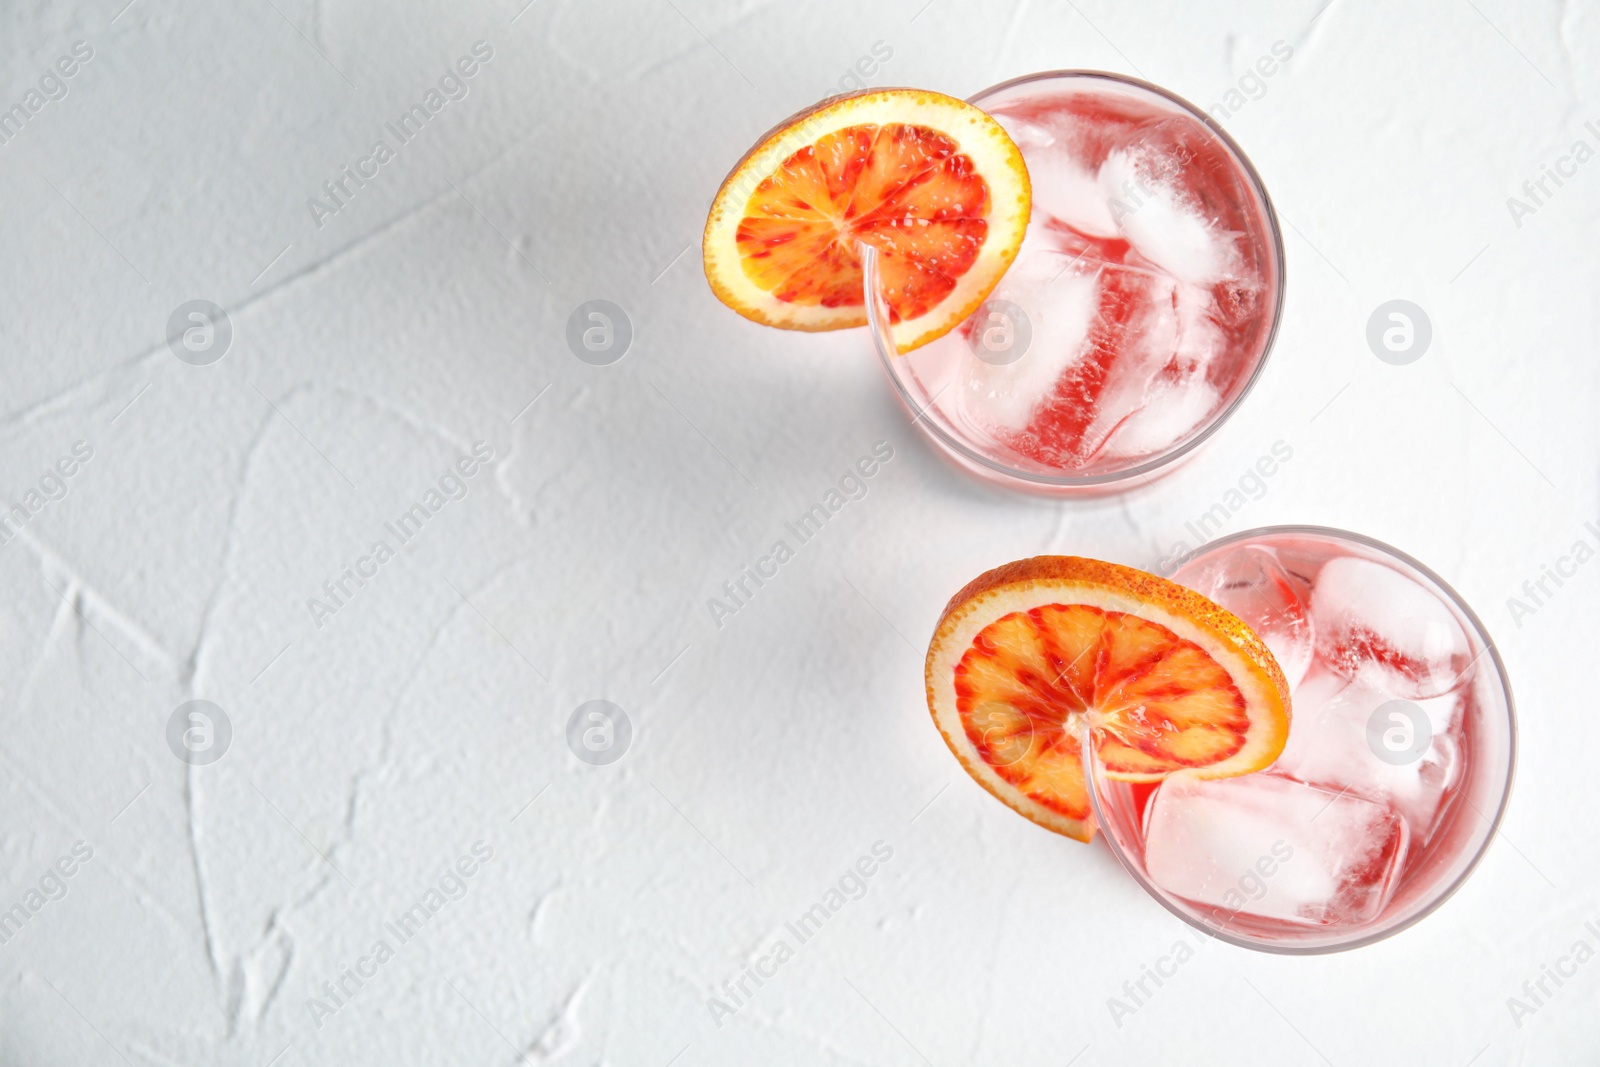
{"x":1138,"y":312}
{"x":1398,"y":764}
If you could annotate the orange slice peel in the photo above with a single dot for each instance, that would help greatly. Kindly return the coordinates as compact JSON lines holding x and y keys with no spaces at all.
{"x":931,"y":182}
{"x":1030,"y":653}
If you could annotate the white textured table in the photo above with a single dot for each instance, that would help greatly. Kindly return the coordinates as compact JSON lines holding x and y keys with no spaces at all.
{"x":396,"y":766}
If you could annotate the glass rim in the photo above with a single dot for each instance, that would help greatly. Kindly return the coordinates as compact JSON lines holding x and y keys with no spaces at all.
{"x":1490,"y":649}
{"x":1139,"y":470}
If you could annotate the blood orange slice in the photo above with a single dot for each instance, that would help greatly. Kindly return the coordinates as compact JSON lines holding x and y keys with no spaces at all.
{"x":933,"y":183}
{"x":1029,"y":653}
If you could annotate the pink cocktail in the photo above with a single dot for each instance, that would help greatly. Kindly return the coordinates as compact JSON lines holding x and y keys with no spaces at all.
{"x":1140,"y":307}
{"x":1396,"y":771}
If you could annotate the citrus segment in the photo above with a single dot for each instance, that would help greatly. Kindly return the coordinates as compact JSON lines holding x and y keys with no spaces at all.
{"x":934,"y":184}
{"x":1030,"y":654}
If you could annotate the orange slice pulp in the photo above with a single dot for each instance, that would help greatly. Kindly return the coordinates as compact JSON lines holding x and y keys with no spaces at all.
{"x":933,"y":183}
{"x":1028,"y":654}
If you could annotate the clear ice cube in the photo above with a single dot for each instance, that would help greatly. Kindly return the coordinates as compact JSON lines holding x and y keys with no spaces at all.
{"x":1065,"y":186}
{"x":1139,"y":318}
{"x":1060,"y":303}
{"x":1155,"y":186}
{"x":1083,"y":126}
{"x":1252,"y":583}
{"x":1268,"y":846}
{"x":1172,"y":408}
{"x":1393,"y":750}
{"x":1376,"y":625}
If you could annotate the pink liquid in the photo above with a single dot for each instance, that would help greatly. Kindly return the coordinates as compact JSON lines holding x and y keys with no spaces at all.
{"x":1397,"y":765}
{"x":1139,"y":307}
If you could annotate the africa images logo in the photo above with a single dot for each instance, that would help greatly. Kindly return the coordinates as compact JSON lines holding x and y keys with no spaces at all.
{"x":199,"y":732}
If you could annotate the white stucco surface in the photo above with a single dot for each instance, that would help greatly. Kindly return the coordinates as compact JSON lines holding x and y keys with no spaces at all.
{"x":372,"y":346}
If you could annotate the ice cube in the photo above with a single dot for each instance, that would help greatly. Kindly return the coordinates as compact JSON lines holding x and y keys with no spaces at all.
{"x":1268,"y":846}
{"x":1087,"y":125}
{"x":1159,"y":390}
{"x":1064,"y":185}
{"x":1060,"y":302}
{"x":1378,"y":625}
{"x":1153,"y":186}
{"x":1130,"y":343}
{"x":1200,"y":337}
{"x":1252,"y":583}
{"x":1173,"y":407}
{"x":1029,"y":135}
{"x":1395,"y":751}
{"x":1139,"y":332}
{"x":1079,"y":378}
